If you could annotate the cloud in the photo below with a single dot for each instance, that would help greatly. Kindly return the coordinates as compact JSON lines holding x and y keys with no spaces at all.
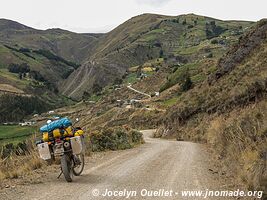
{"x":153,"y":2}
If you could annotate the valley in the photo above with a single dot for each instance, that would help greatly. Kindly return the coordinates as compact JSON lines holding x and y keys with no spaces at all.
{"x":199,"y":82}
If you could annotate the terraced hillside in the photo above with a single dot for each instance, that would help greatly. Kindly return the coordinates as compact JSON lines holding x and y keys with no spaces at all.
{"x":184,"y":38}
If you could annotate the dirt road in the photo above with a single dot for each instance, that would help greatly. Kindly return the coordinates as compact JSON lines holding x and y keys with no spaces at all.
{"x":159,"y":164}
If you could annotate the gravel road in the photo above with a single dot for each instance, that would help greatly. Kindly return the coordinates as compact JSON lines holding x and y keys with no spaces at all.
{"x":164,"y":167}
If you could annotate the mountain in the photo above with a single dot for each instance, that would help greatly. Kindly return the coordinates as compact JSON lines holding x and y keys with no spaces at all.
{"x":147,"y":37}
{"x":34,"y":62}
{"x":66,"y":44}
{"x":55,"y":63}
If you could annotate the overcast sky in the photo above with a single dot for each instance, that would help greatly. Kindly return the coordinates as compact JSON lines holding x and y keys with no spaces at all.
{"x":104,"y":15}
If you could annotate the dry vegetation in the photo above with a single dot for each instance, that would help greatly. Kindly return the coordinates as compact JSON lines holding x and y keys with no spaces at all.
{"x":21,"y":163}
{"x":239,"y":140}
{"x":229,"y":111}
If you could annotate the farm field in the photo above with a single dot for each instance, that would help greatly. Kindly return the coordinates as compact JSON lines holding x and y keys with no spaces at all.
{"x":15,"y":133}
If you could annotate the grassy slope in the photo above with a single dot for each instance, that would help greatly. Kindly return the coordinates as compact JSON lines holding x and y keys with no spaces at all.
{"x":52,"y":71}
{"x":143,"y":38}
{"x":14,"y":133}
{"x":69,"y":45}
{"x":230,"y":111}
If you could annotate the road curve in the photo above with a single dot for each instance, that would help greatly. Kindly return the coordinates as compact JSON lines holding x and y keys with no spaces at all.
{"x":158,"y":164}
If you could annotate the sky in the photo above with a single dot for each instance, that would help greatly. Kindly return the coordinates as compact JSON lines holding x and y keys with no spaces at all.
{"x":95,"y":16}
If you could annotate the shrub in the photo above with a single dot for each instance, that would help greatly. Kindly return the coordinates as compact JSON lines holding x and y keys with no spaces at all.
{"x":210,"y":55}
{"x":161,"y":53}
{"x":190,"y":26}
{"x":37,"y":76}
{"x":212,"y":30}
{"x":19,"y":68}
{"x":187,"y":84}
{"x":214,"y":41}
{"x":117,"y":138}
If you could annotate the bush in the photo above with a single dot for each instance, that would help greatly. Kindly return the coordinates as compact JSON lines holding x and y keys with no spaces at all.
{"x":117,"y":138}
{"x":187,"y":84}
{"x":19,"y":68}
{"x":161,"y":53}
{"x":37,"y":76}
{"x":20,"y":149}
{"x":210,"y":55}
{"x":190,"y":26}
{"x":212,"y":30}
{"x":96,"y":89}
{"x":214,"y":41}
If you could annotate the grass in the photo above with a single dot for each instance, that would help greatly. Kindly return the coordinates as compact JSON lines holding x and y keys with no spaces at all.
{"x":20,"y":83}
{"x":17,"y":166}
{"x":131,"y":78}
{"x":15,"y":133}
{"x":170,"y":102}
{"x":198,"y":78}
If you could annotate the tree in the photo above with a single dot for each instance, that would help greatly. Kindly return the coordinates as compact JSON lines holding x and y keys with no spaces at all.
{"x":37,"y":76}
{"x":19,"y":68}
{"x":187,"y":84}
{"x":96,"y":89}
{"x":117,"y":81}
{"x":161,"y":53}
{"x":20,"y":75}
{"x":86,"y":95}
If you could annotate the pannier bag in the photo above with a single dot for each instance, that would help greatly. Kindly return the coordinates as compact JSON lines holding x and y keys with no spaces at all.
{"x":61,"y":123}
{"x":44,"y":151}
{"x":57,"y":133}
{"x":77,"y":145}
{"x":79,"y":133}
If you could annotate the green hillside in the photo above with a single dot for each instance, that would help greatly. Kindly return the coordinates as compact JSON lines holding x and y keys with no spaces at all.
{"x":228,"y":111}
{"x":66,"y":44}
{"x":185,"y":38}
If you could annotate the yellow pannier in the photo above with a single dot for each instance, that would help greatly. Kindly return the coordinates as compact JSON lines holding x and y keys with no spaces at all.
{"x":57,"y":133}
{"x":68,"y":132}
{"x":79,"y":133}
{"x":45,"y":137}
